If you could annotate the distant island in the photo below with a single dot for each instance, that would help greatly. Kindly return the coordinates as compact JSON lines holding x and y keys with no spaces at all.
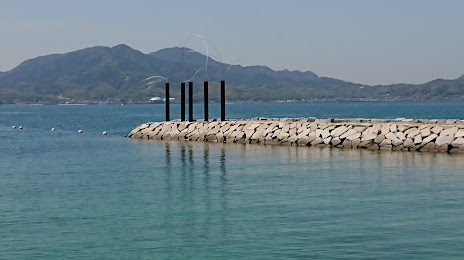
{"x":114,"y":75}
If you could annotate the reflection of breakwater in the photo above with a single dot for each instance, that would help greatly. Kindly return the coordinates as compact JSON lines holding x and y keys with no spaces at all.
{"x":373,"y":134}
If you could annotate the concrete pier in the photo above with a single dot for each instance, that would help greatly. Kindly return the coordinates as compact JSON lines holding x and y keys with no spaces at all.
{"x":375,"y":134}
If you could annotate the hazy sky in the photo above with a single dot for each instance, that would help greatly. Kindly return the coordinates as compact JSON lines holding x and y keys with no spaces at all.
{"x":363,"y":41}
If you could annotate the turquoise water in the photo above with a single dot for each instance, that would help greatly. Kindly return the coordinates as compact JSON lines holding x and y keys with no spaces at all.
{"x":65,"y":195}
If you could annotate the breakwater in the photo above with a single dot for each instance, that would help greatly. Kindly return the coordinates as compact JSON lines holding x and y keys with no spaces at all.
{"x":374,"y":134}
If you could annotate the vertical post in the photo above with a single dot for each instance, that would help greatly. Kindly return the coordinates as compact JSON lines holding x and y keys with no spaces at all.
{"x":182,"y":101}
{"x":205,"y":90}
{"x":223,"y":100}
{"x":190,"y":101}
{"x":167,"y":101}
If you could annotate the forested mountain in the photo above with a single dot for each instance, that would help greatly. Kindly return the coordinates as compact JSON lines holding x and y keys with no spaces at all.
{"x":116,"y":75}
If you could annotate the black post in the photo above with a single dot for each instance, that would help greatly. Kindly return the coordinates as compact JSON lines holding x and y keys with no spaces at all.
{"x":167,"y":101}
{"x":182,"y":101}
{"x":190,"y":101}
{"x":223,"y":100}
{"x":205,"y":90}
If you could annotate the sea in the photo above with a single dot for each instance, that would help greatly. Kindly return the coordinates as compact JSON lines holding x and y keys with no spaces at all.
{"x":65,"y":195}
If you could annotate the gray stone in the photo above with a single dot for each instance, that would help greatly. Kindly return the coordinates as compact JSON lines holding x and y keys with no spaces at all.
{"x":394,"y":139}
{"x":449,"y":131}
{"x":400,"y":135}
{"x":385,"y":143}
{"x":408,"y":142}
{"x":312,"y":136}
{"x":348,"y":133}
{"x":425,"y":132}
{"x":316,"y":141}
{"x":459,"y":133}
{"x":444,"y":140}
{"x":427,"y":147}
{"x":354,"y":136}
{"x":325,"y":133}
{"x":385,"y":129}
{"x":428,"y":139}
{"x":369,"y":136}
{"x":379,"y":139}
{"x":459,"y":142}
{"x":327,"y":140}
{"x":413,"y":133}
{"x":339,"y":131}
{"x":437,"y":129}
{"x":336,"y":141}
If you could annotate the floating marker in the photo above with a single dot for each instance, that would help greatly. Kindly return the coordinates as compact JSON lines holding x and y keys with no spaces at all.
{"x":105,"y":133}
{"x":14,"y":127}
{"x":21,"y":127}
{"x":53,"y":129}
{"x":80,"y":131}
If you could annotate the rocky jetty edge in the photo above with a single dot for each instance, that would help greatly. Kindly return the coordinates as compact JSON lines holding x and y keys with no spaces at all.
{"x":373,"y":134}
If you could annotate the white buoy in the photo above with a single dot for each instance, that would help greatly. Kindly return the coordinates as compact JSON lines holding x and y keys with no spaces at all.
{"x":53,"y":129}
{"x":105,"y":133}
{"x":21,"y":127}
{"x":80,"y":131}
{"x":14,"y":127}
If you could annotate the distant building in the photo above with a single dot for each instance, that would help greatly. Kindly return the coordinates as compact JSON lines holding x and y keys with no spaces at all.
{"x":156,"y":100}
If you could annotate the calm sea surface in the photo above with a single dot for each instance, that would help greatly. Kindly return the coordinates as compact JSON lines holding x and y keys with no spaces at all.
{"x":65,"y":195}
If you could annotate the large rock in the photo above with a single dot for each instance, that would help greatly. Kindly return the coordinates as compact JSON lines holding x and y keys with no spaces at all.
{"x":385,"y":129}
{"x":339,"y":131}
{"x":459,"y":142}
{"x":394,"y":139}
{"x":460,"y":133}
{"x":348,"y":133}
{"x":379,"y":139}
{"x":429,"y":139}
{"x":449,"y":131}
{"x":444,"y":140}
{"x":368,"y":136}
{"x":425,"y":132}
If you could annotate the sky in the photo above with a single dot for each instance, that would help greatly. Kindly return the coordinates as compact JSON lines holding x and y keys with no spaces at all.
{"x":362,"y":41}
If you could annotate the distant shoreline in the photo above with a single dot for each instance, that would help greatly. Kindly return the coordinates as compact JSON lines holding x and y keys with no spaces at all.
{"x":245,"y":102}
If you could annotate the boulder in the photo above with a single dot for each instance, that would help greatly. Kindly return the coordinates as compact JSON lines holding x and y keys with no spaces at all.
{"x":368,"y":136}
{"x":425,"y":132}
{"x":437,"y":129}
{"x":429,"y":139}
{"x":444,"y":140}
{"x":379,"y":139}
{"x":348,"y":133}
{"x":449,"y":131}
{"x":459,"y":142}
{"x":408,"y":142}
{"x":335,"y":141}
{"x":339,"y":131}
{"x":401,"y":135}
{"x":459,"y":133}
{"x":385,"y":129}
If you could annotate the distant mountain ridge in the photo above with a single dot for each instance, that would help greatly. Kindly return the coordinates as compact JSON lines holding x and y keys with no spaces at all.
{"x":116,"y":75}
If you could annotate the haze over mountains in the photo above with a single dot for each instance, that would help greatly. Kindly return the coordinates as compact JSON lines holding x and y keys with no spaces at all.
{"x":116,"y":75}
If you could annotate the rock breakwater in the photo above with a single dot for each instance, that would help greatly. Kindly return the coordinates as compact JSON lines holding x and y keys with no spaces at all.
{"x":374,"y":134}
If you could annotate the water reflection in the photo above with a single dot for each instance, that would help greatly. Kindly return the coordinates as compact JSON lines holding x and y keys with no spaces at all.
{"x":221,"y":197}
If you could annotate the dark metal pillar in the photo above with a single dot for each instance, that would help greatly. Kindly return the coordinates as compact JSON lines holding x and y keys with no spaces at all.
{"x":191,"y":101}
{"x":205,"y":90}
{"x":223,"y":100}
{"x":167,"y":102}
{"x":182,"y":101}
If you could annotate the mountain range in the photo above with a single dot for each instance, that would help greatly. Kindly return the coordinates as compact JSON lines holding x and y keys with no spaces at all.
{"x":119,"y":75}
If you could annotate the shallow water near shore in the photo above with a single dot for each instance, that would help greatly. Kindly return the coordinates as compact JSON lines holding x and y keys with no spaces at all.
{"x":89,"y":196}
